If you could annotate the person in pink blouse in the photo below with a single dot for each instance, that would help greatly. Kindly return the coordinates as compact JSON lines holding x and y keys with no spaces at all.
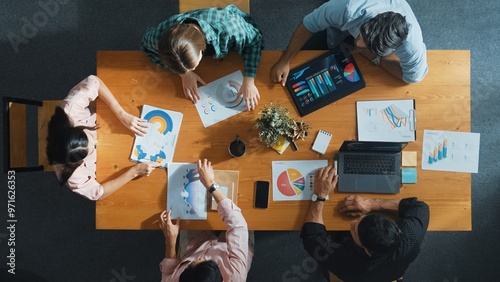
{"x":208,"y":257}
{"x":72,"y":139}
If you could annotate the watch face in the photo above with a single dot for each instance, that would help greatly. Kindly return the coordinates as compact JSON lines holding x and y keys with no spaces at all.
{"x":314,"y":197}
{"x":216,"y":185}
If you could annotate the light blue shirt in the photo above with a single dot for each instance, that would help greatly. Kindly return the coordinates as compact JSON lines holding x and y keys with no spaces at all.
{"x":338,"y":16}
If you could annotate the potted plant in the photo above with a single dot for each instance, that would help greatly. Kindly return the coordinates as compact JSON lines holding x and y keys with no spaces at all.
{"x":274,"y":122}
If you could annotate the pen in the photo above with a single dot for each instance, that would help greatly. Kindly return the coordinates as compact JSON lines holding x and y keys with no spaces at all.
{"x":335,"y":163}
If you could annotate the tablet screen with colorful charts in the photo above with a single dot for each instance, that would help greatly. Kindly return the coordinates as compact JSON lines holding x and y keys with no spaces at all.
{"x":324,"y":80}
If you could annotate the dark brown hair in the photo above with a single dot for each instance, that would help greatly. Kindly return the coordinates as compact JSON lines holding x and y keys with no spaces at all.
{"x":66,"y":145}
{"x":180,"y":46}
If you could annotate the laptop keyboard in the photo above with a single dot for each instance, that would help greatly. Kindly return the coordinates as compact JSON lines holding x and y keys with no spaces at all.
{"x":366,"y":164}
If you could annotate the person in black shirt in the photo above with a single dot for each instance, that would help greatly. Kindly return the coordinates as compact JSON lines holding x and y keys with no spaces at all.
{"x":377,"y":248}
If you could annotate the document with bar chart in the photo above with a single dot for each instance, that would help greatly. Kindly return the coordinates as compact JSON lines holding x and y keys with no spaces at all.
{"x":294,"y":180}
{"x":324,"y":80}
{"x":450,"y":151}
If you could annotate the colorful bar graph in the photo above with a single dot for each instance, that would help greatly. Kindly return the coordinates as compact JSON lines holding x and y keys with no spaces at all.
{"x":445,"y":148}
{"x":321,"y":84}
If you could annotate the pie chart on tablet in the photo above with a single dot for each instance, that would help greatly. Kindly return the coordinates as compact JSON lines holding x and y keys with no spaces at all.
{"x":291,"y":182}
{"x":350,"y":73}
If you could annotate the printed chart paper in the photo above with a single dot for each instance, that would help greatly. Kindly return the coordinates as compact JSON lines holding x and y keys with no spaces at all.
{"x":186,"y":195}
{"x":219,"y":99}
{"x":450,"y":151}
{"x":294,"y":180}
{"x":158,"y":145}
{"x":389,"y":121}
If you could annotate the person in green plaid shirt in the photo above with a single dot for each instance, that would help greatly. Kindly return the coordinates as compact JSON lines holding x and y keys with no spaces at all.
{"x":179,"y":43}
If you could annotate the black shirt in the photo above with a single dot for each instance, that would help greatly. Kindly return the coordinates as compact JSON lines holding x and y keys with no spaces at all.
{"x":349,"y":262}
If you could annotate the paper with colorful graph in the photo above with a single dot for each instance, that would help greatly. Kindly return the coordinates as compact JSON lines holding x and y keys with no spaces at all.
{"x":294,"y":180}
{"x":219,"y":99}
{"x":450,"y":151}
{"x":386,"y":121}
{"x":158,"y":145}
{"x":186,"y":195}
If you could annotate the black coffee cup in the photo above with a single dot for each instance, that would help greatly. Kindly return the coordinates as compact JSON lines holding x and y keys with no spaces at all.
{"x":237,"y":148}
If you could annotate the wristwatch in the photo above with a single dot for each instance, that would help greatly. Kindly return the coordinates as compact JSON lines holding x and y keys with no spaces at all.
{"x":376,"y":61}
{"x":316,"y":198}
{"x":214,"y":187}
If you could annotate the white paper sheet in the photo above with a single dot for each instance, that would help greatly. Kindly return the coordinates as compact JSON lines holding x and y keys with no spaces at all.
{"x":186,"y":195}
{"x":294,"y":180}
{"x":450,"y":151}
{"x":389,"y":121}
{"x":158,"y":144}
{"x":219,"y":100}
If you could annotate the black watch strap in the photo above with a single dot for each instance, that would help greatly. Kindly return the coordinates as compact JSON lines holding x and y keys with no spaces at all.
{"x":214,"y":187}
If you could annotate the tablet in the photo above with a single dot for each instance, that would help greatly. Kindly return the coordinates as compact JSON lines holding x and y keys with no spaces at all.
{"x":324,"y":80}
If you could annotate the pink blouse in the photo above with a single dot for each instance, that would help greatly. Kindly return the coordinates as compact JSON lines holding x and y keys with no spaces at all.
{"x":76,"y":106}
{"x":231,"y":253}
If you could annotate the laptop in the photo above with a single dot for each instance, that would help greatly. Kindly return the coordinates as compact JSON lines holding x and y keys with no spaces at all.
{"x":370,"y":167}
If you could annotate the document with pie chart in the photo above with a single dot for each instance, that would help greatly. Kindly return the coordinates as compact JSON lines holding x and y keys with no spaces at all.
{"x":219,"y":99}
{"x":158,"y":145}
{"x":294,"y":180}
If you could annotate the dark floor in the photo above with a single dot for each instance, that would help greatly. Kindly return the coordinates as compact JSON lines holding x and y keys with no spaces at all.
{"x":45,"y":53}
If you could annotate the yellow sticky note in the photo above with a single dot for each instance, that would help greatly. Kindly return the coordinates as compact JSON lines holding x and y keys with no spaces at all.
{"x":409,"y":158}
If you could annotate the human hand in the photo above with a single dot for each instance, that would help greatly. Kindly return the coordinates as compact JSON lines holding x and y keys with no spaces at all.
{"x":144,"y":169}
{"x":325,"y":181}
{"x":170,"y":230}
{"x":356,"y":206}
{"x":190,"y":85}
{"x":250,"y":93}
{"x":136,"y":125}
{"x":206,"y":173}
{"x":279,"y":72}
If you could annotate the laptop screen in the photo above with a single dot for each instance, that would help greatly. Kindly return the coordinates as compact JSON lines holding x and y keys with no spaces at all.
{"x":359,"y":146}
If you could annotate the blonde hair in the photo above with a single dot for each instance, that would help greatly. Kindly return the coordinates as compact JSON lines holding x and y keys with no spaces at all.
{"x":180,"y":47}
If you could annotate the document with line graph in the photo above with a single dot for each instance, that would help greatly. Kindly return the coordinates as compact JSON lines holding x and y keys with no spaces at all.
{"x":387,"y":120}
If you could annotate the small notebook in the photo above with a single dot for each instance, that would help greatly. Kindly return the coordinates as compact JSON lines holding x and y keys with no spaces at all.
{"x":322,"y":141}
{"x":281,"y":145}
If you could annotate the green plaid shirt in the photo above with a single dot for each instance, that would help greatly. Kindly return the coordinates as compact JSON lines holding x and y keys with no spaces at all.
{"x":225,"y":29}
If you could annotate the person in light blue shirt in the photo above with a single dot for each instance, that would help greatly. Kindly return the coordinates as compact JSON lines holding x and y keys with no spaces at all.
{"x":380,"y":28}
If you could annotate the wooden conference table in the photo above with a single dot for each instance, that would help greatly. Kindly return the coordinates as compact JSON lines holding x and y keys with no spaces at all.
{"x":442,"y":103}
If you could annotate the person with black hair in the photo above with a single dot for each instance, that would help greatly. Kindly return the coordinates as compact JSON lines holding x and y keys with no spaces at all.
{"x":179,"y":43}
{"x":379,"y":28}
{"x":72,"y":139}
{"x":377,"y":248}
{"x":207,"y":256}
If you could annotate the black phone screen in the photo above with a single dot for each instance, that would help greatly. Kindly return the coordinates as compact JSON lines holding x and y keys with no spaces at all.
{"x":261,"y":194}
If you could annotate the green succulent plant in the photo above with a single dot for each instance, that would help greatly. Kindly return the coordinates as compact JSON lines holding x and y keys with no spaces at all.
{"x":274,"y":121}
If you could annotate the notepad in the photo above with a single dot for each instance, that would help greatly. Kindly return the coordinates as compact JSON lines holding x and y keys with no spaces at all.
{"x":322,"y":141}
{"x":409,"y":175}
{"x":408,"y":158}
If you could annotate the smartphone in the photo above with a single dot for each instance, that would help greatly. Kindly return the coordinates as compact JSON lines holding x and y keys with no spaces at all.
{"x":262,"y":194}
